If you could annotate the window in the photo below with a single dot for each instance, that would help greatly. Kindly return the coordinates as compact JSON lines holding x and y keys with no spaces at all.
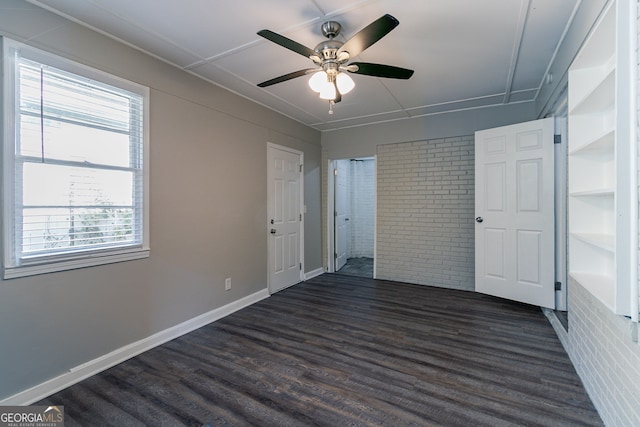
{"x":75,"y":165}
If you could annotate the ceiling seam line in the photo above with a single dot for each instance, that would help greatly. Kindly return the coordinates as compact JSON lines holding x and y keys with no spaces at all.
{"x":557,"y":49}
{"x":517,"y":44}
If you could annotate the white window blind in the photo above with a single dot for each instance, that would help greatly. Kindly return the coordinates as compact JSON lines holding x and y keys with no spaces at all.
{"x":78,"y":167}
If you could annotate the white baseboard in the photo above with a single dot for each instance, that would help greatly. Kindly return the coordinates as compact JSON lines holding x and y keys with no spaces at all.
{"x":79,"y":373}
{"x":313,"y":273}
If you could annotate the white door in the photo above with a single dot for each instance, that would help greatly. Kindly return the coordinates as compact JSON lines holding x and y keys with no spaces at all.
{"x":284,"y":218}
{"x":341,"y":205}
{"x":514,"y":208}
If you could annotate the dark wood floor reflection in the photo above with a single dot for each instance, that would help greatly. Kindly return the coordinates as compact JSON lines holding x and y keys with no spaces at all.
{"x":340,"y":350}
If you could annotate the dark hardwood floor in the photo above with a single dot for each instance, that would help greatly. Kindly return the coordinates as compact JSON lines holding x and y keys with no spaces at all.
{"x":347,"y":351}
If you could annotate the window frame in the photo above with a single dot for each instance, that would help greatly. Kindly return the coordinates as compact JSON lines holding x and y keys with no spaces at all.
{"x":13,"y":267}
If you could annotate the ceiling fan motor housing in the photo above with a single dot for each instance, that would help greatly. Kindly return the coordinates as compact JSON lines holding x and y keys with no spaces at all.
{"x":328,"y":49}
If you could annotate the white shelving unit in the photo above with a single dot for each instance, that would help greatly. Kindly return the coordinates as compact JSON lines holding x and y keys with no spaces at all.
{"x":600,"y":255}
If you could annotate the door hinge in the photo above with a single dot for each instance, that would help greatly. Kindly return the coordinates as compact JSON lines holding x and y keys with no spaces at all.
{"x":557,"y":139}
{"x":558,"y":286}
{"x":300,"y":217}
{"x":301,"y":168}
{"x":335,"y":172}
{"x":300,"y":266}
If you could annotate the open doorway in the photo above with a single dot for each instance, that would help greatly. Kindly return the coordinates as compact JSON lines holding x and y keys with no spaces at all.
{"x":352,"y":216}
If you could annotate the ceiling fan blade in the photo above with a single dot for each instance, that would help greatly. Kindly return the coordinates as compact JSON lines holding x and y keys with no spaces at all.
{"x":381,"y":70}
{"x":288,"y":43}
{"x":286,"y":77}
{"x":369,"y":35}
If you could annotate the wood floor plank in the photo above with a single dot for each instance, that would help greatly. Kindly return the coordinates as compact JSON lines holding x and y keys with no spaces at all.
{"x":341,"y":350}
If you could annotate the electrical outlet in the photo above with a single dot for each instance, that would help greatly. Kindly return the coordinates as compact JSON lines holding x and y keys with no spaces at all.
{"x":227,"y":284}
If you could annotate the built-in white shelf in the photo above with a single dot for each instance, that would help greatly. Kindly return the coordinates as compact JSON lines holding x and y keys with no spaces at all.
{"x":598,"y":174}
{"x":600,"y":99}
{"x":597,"y":192}
{"x":601,"y":143}
{"x":602,"y":241}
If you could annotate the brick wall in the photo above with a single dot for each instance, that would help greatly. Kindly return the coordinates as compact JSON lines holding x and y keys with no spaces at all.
{"x":602,"y":349}
{"x":425,"y":228}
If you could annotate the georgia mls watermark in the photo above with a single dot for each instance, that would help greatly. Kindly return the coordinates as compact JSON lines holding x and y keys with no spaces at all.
{"x":31,"y":416}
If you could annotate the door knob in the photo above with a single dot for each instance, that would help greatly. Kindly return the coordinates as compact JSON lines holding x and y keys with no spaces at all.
{"x":273,"y":231}
{"x":479,"y":219}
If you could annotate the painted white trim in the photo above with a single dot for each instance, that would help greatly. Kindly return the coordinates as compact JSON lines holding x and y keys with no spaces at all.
{"x":24,"y":266}
{"x":81,"y":261}
{"x":314,"y":273}
{"x":331,"y":259}
{"x":559,"y":112}
{"x":375,"y":216}
{"x":633,"y":15}
{"x":99,"y":364}
{"x":303,"y":214}
{"x":301,"y":210}
{"x":332,"y":165}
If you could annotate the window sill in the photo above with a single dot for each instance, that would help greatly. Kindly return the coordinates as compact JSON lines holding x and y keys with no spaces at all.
{"x":90,"y":260}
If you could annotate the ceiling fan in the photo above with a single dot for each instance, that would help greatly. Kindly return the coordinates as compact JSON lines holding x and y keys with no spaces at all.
{"x":331,"y":58}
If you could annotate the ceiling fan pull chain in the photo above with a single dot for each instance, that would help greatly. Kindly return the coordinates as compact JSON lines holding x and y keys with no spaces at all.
{"x":331,"y":103}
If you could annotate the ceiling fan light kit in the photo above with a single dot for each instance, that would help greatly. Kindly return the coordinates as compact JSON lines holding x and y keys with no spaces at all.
{"x":320,"y":80}
{"x":328,"y":92}
{"x":345,"y":83}
{"x":330,"y":76}
{"x":317,"y":81}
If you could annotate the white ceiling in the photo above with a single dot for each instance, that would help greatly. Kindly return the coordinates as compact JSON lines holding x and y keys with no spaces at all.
{"x":465,"y":53}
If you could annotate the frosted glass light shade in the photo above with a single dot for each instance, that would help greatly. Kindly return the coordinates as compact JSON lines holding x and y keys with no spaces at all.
{"x":345,"y":83}
{"x":318,"y":81}
{"x":328,"y":91}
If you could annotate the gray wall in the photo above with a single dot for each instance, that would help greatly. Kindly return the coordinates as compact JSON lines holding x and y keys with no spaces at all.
{"x":208,"y":212}
{"x":362,"y":141}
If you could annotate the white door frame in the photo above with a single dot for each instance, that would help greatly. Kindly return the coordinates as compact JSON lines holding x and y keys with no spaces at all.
{"x":558,"y":110}
{"x":331,"y":262}
{"x":342,"y":205}
{"x":561,"y":155}
{"x":301,"y":210}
